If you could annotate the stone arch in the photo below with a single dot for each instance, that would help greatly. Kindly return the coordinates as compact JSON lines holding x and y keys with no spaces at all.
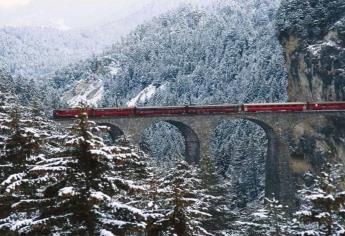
{"x":192,"y":143}
{"x":238,"y":150}
{"x":115,"y":132}
{"x":190,"y":139}
{"x":278,"y":174}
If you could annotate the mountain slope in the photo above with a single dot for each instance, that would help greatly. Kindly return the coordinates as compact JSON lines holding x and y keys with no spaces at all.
{"x":193,"y":55}
{"x":227,"y":53}
{"x":36,"y":52}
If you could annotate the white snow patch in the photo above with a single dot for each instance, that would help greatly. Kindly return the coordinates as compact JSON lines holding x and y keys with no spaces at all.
{"x":114,"y":70}
{"x":99,"y":196}
{"x":67,"y":191}
{"x":118,"y":205}
{"x":315,"y":49}
{"x":320,"y":196}
{"x":261,"y":215}
{"x":323,"y":215}
{"x":18,"y":224}
{"x":106,"y":233}
{"x":143,"y":96}
{"x":99,"y":153}
{"x":13,"y":178}
{"x":90,"y":90}
{"x":331,"y":43}
{"x":310,"y":232}
{"x":120,"y":223}
{"x":304,"y":213}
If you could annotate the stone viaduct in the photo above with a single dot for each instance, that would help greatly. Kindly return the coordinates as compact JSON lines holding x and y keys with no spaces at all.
{"x":197,"y":129}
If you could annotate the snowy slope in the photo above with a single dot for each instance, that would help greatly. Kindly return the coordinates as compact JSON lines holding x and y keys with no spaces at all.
{"x":113,"y":30}
{"x":35,"y":52}
{"x":143,"y":96}
{"x":90,"y":90}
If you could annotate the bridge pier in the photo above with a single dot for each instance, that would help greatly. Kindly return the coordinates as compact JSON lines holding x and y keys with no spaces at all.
{"x":278,"y":175}
{"x":279,"y":181}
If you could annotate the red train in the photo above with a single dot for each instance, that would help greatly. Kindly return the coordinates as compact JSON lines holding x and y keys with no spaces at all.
{"x":206,"y":109}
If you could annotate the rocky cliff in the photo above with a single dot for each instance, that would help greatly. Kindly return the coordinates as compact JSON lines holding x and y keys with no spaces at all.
{"x":312,"y":33}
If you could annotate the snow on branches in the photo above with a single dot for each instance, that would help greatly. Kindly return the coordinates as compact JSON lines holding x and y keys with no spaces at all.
{"x":323,"y":203}
{"x":84,"y":188}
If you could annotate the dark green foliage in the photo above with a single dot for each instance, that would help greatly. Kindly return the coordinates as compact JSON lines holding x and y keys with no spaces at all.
{"x":83,"y":189}
{"x":180,"y":201}
{"x":323,"y":202}
{"x":270,"y":220}
{"x":308,"y":19}
{"x":221,"y":215}
{"x":19,"y":148}
{"x":22,"y":143}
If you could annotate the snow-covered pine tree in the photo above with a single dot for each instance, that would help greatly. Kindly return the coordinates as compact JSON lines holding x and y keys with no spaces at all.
{"x":4,"y":116}
{"x":19,"y":150}
{"x":323,"y":203}
{"x":7,"y":101}
{"x":152,"y":201}
{"x":179,"y":196}
{"x":221,"y":215}
{"x":91,"y":191}
{"x":4,"y":132}
{"x":270,"y":220}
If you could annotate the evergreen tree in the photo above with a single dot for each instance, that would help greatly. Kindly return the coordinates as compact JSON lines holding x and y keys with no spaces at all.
{"x":83,"y":190}
{"x":7,"y":102}
{"x":4,"y":117}
{"x":180,"y":198}
{"x":19,"y":150}
{"x":219,"y":205}
{"x":323,"y":203}
{"x":271,"y":220}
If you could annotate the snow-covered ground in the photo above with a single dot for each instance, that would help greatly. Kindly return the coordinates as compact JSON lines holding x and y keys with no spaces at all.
{"x":90,"y":90}
{"x":143,"y":96}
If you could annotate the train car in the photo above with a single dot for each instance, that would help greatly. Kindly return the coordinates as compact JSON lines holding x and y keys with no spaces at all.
{"x":206,"y":109}
{"x":118,"y":111}
{"x":267,"y":107}
{"x":314,"y":106}
{"x":209,"y":109}
{"x":66,"y":113}
{"x":156,"y":111}
{"x":186,"y":110}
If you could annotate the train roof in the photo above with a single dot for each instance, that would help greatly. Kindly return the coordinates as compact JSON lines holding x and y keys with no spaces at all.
{"x":328,"y":102}
{"x":275,"y":104}
{"x":170,"y":107}
{"x":295,"y":103}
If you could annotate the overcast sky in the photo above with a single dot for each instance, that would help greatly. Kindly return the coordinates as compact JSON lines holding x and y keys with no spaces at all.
{"x":65,"y":13}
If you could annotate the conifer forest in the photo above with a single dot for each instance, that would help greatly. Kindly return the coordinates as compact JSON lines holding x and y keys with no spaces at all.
{"x":71,"y":177}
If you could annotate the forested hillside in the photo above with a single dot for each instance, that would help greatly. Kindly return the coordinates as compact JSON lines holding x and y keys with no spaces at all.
{"x":34,"y":52}
{"x":193,"y":55}
{"x":220,"y":54}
